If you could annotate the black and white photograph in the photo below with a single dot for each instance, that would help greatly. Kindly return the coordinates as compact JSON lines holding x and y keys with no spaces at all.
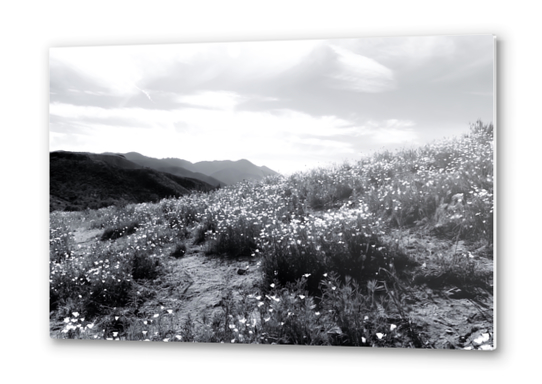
{"x":322,"y":192}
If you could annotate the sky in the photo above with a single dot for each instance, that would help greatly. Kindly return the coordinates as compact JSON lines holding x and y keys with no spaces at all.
{"x":290,"y":105}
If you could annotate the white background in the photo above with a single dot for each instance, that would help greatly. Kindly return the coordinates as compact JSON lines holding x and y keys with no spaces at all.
{"x":28,"y":29}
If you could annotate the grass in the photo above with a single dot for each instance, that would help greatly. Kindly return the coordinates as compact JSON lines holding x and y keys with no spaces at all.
{"x":341,"y":251}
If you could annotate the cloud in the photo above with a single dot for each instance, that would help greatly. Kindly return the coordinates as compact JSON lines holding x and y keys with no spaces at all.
{"x":291,"y":103}
{"x":212,"y":99}
{"x":393,"y":132}
{"x":360,"y":74}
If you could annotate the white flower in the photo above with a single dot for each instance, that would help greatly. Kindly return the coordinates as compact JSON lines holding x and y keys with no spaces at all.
{"x":379,"y":335}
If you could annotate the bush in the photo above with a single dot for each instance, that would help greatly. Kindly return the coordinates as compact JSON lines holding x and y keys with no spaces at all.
{"x":236,"y":240}
{"x":144,"y":266}
{"x":122,"y":229}
{"x":179,"y":251}
{"x":208,"y":226}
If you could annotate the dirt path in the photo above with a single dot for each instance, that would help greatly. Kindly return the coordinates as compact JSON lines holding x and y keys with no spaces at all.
{"x":195,"y":285}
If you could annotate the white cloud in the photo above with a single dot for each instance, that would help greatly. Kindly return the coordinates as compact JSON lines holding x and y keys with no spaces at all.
{"x":361,"y":74}
{"x":215,"y":79}
{"x":121,"y":69}
{"x":392,"y":132}
{"x":214,"y":100}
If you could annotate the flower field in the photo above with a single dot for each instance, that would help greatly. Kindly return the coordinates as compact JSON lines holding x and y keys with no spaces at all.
{"x":351,"y":254}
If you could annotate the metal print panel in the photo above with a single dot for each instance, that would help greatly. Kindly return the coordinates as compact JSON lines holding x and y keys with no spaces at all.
{"x":317,"y":192}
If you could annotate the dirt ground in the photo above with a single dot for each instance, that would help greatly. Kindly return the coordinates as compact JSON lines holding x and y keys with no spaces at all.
{"x":195,"y":284}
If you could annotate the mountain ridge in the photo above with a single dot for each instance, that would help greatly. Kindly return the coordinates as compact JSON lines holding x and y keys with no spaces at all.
{"x":215,"y":172}
{"x":80,"y":180}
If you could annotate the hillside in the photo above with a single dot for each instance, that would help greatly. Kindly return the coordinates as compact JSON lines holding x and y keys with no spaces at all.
{"x":176,"y":167}
{"x":232,"y":172}
{"x":394,"y":250}
{"x":84,"y":180}
{"x":216,"y":173}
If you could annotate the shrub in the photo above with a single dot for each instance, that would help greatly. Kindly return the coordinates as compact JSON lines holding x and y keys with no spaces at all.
{"x":144,"y":266}
{"x":122,"y":229}
{"x":179,"y":251}
{"x":236,"y":239}
{"x":207,"y":227}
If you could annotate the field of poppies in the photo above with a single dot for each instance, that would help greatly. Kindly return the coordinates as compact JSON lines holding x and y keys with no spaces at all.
{"x":347,"y":254}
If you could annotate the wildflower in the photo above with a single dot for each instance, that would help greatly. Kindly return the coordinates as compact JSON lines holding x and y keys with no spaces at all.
{"x":392,"y":327}
{"x":379,"y":335}
{"x":481,"y":339}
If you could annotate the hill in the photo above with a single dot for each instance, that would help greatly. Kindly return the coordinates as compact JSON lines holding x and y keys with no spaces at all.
{"x":176,"y":167}
{"x":216,"y":173}
{"x":85,"y":180}
{"x":394,"y":250}
{"x":231,"y":172}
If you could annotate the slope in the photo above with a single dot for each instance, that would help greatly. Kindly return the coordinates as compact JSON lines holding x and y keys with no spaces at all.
{"x":82,"y":180}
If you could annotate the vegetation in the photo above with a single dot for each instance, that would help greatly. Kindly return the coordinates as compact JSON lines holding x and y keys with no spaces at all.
{"x":342,"y":254}
{"x":79,"y":181}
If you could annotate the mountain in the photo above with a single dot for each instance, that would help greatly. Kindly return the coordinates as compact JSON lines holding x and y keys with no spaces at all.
{"x":81,"y":180}
{"x":176,"y":167}
{"x":216,"y":173}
